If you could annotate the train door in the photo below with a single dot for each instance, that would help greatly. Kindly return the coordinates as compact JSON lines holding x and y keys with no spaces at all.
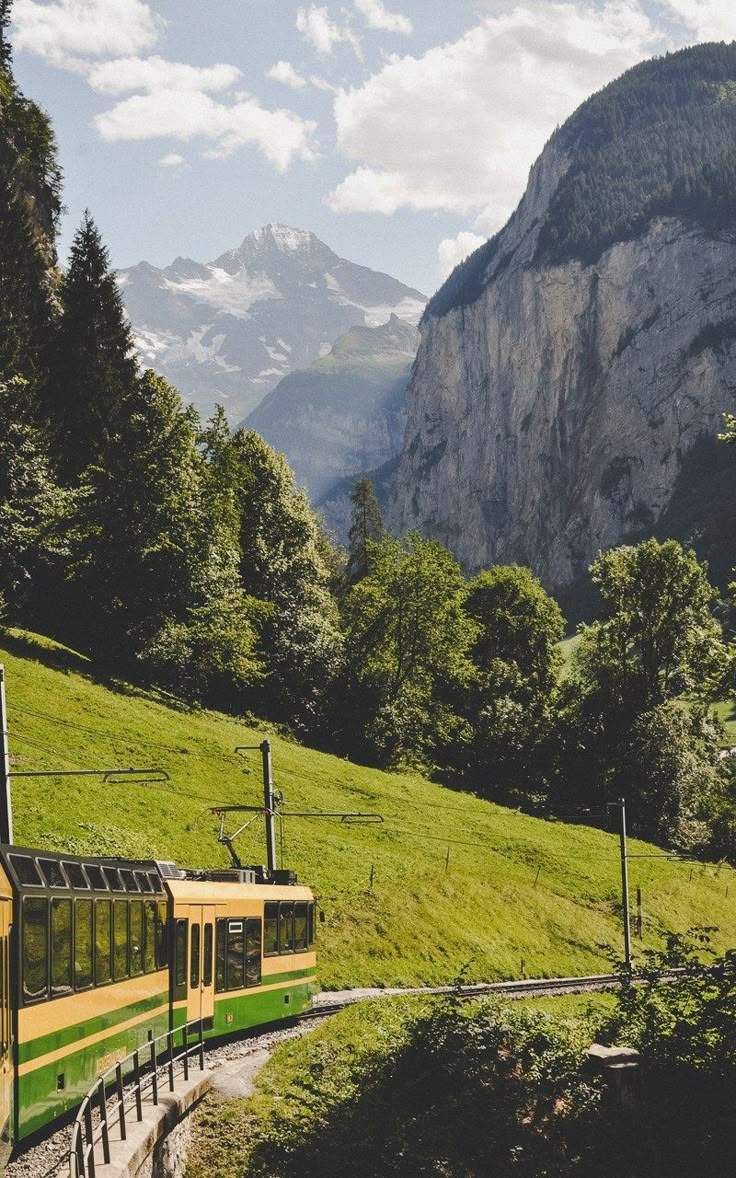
{"x":6,"y":1025}
{"x":201,"y":991}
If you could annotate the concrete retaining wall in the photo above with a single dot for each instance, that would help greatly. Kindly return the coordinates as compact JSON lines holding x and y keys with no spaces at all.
{"x":156,"y":1147}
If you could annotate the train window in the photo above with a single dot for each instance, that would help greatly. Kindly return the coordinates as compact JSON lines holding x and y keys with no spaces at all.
{"x":301,"y":929}
{"x":114,"y":882}
{"x":103,"y":942}
{"x":207,"y":956}
{"x":35,"y":948}
{"x":194,"y":973}
{"x":155,"y":882}
{"x":312,"y":924}
{"x":95,"y":876}
{"x":52,"y":873}
{"x":235,"y":955}
{"x":130,"y":883}
{"x":82,"y":944}
{"x":221,"y":957}
{"x":162,"y":946}
{"x":286,"y":927}
{"x":271,"y":929}
{"x":61,"y":947}
{"x":75,"y":875}
{"x":26,"y":870}
{"x":150,"y":909}
{"x":181,"y":930}
{"x":252,"y":952}
{"x":143,"y":880}
{"x":120,"y":939}
{"x":136,"y":937}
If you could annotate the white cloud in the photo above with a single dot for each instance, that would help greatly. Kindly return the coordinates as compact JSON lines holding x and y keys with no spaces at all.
{"x":280,"y":135}
{"x":376,"y":17}
{"x":283,"y":71}
{"x":706,"y":20}
{"x":172,"y":160}
{"x":453,"y":250}
{"x":323,"y":84}
{"x":94,"y":28}
{"x":153,"y":73}
{"x":459,"y":127}
{"x":321,"y":32}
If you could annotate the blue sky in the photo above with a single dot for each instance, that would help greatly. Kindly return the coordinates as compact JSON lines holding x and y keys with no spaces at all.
{"x":400,"y":131}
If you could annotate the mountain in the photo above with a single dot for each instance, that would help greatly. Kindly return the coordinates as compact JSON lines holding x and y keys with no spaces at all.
{"x":228,"y":331}
{"x":344,"y":414}
{"x":572,"y":373}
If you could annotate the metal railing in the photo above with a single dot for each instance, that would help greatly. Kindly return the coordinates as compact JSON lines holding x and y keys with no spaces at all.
{"x":122,"y":1089}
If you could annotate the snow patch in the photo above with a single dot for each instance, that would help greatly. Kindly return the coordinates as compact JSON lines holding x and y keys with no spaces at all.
{"x":232,"y":293}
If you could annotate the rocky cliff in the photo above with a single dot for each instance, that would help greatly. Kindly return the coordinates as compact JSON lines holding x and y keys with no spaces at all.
{"x":572,"y":374}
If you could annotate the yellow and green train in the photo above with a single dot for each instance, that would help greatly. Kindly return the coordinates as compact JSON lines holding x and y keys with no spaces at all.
{"x":100,"y":955}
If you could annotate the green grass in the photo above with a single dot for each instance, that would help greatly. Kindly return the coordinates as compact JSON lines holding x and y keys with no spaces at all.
{"x":567,"y":646}
{"x":310,"y":1085}
{"x":515,"y":887}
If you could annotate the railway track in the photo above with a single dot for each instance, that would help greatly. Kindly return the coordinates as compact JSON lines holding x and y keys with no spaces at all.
{"x":554,"y":987}
{"x":47,"y":1156}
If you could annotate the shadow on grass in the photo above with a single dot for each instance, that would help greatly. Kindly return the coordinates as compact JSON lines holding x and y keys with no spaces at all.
{"x":57,"y":657}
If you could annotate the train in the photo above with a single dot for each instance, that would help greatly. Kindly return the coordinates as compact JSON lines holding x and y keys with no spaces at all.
{"x":99,"y":955}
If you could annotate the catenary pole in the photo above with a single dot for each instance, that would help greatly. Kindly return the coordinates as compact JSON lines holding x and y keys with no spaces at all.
{"x":625,"y":887}
{"x":6,"y":807}
{"x":268,"y":805}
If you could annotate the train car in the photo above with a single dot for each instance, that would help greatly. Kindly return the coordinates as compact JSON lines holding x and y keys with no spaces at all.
{"x":99,"y":955}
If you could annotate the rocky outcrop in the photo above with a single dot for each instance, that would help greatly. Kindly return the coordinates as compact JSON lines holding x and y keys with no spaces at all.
{"x":555,"y":409}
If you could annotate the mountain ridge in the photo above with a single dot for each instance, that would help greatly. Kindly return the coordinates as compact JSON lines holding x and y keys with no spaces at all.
{"x":229,"y":330}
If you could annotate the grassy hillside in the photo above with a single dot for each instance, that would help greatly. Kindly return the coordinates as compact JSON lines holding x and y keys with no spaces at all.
{"x":515,"y":887}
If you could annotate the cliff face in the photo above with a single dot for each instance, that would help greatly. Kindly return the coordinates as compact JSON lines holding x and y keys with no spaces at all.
{"x":557,"y":404}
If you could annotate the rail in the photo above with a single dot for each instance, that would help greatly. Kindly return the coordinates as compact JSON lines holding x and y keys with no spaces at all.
{"x":120,"y":1091}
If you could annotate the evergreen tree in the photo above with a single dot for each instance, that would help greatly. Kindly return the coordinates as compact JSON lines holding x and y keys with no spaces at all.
{"x":5,"y":49}
{"x":155,"y":566}
{"x":366,"y":526}
{"x":281,"y":546}
{"x":30,"y":205}
{"x":32,"y":508}
{"x":94,"y":371}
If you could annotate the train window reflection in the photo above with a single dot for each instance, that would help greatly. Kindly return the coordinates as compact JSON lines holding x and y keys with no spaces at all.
{"x":35,"y":949}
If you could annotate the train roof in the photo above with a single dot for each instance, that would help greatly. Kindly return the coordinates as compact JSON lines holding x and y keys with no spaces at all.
{"x":33,"y":870}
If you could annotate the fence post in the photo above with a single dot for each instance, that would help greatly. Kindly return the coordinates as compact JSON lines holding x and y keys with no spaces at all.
{"x":201,"y":1045}
{"x":121,"y":1101}
{"x":89,"y":1134}
{"x":102,"y":1099}
{"x":170,"y":1045}
{"x":137,"y":1082}
{"x":154,"y":1072}
{"x":185,"y":1047}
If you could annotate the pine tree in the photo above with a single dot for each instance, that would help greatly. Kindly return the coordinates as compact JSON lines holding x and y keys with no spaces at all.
{"x":30,"y":205}
{"x":282,"y":564}
{"x":366,"y":525}
{"x":95,"y":373}
{"x":5,"y":50}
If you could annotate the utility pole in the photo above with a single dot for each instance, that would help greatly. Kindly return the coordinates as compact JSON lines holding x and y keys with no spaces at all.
{"x":6,"y":806}
{"x":268,"y":805}
{"x":625,"y":887}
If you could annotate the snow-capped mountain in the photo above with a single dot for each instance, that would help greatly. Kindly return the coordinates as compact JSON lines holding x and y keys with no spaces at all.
{"x":228,"y":331}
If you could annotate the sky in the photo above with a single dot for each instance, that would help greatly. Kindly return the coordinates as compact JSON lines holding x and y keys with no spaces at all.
{"x":401,"y":132}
